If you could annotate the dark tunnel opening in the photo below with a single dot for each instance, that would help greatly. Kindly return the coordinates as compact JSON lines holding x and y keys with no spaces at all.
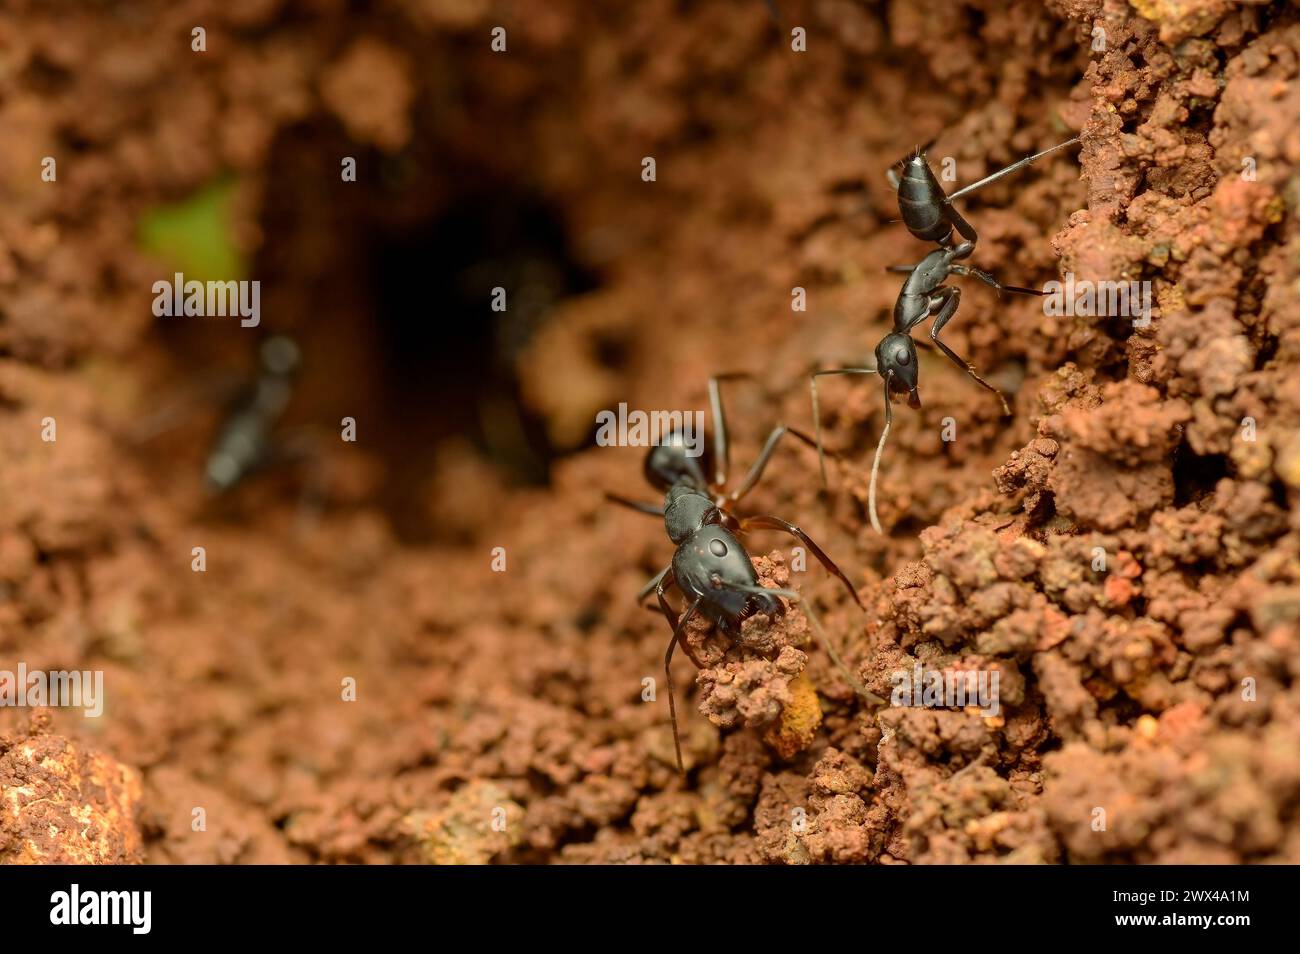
{"x":448,"y":353}
{"x":389,"y":288}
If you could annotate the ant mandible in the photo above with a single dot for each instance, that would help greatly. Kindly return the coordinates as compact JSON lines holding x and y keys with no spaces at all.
{"x":929,"y":215}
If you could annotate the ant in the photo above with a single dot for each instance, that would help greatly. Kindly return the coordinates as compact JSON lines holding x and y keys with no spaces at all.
{"x":714,"y":572}
{"x":244,"y":444}
{"x":929,"y":215}
{"x":710,"y":566}
{"x":247,"y":444}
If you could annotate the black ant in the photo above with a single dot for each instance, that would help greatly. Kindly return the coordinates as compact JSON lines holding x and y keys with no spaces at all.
{"x":715,"y":573}
{"x":247,"y":444}
{"x":929,"y":215}
{"x":244,"y":443}
{"x":710,"y":566}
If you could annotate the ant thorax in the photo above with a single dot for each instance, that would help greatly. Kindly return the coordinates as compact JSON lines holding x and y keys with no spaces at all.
{"x":686,"y":510}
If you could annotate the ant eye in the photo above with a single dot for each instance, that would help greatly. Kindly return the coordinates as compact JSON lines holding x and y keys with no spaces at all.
{"x":902,"y":357}
{"x":717,"y":548}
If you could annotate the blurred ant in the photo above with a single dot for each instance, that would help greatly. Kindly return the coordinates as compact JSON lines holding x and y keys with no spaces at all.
{"x":714,"y":572}
{"x":246,"y":442}
{"x":244,"y":445}
{"x":929,"y":215}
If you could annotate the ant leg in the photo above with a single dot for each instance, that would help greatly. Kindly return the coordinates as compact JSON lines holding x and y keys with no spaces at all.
{"x":652,"y":585}
{"x":756,"y":470}
{"x":1007,"y":171}
{"x":776,"y":523}
{"x":875,"y":463}
{"x":653,"y":510}
{"x":817,"y":417}
{"x":210,"y":389}
{"x":1021,"y":290}
{"x":900,"y":268}
{"x":949,"y":298}
{"x":664,"y":580}
{"x":721,"y":446}
{"x":668,"y":675}
{"x":964,"y":229}
{"x":667,"y":579}
{"x":760,"y":464}
{"x":892,"y":175}
{"x":992,"y":282}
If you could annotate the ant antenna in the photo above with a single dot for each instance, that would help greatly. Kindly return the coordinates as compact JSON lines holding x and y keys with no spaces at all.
{"x":817,"y":416}
{"x":880,"y":447}
{"x":875,"y":464}
{"x":678,"y":630}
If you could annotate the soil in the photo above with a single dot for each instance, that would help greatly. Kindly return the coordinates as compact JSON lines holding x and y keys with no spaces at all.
{"x":1150,"y":708}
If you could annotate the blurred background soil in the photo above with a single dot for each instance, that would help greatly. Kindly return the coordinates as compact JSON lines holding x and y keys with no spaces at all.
{"x":499,"y":715}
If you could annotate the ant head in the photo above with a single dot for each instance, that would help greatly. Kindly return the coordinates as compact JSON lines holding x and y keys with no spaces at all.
{"x":896,"y":360}
{"x":668,"y":464}
{"x":280,"y":355}
{"x":686,"y":510}
{"x":714,"y":565}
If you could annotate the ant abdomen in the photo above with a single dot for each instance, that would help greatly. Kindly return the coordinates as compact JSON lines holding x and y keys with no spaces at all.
{"x":920,"y":202}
